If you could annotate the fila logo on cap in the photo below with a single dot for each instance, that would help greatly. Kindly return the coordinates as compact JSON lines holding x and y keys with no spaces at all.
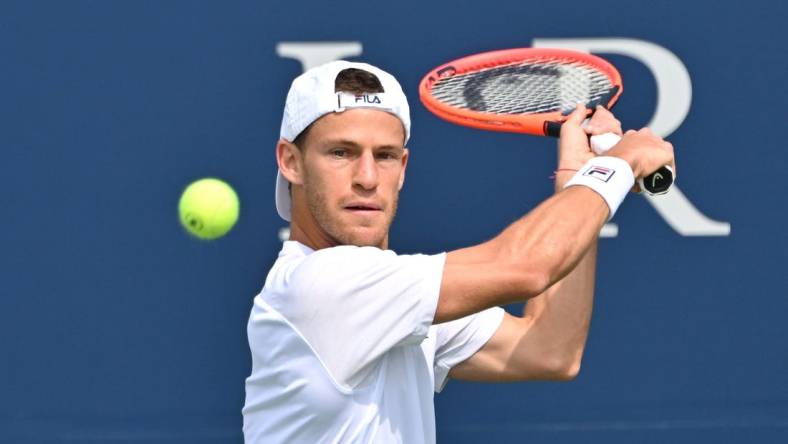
{"x":352,"y":100}
{"x":367,"y":99}
{"x":599,"y":172}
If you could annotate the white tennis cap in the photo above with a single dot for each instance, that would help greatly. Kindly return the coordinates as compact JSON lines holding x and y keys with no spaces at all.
{"x":312,"y":96}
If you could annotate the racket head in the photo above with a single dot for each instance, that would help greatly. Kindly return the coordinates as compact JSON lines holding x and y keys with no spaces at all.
{"x":519,"y":90}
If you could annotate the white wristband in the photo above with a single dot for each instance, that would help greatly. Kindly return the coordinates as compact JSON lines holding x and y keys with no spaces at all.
{"x":610,"y":177}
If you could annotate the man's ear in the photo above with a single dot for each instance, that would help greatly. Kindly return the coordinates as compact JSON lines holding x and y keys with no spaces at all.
{"x":289,"y":159}
{"x":405,"y":156}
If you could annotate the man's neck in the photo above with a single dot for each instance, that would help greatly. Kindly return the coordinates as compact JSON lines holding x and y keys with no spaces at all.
{"x":318,"y":240}
{"x":314,"y":241}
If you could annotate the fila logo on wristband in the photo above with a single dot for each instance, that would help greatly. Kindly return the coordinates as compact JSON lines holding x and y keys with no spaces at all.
{"x":599,"y":172}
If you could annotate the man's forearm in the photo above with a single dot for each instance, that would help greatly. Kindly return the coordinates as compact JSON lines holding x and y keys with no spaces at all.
{"x":554,"y":242}
{"x":561,"y":316}
{"x":525,"y":259}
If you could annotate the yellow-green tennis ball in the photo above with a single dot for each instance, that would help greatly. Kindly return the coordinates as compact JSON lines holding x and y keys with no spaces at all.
{"x":208,"y":208}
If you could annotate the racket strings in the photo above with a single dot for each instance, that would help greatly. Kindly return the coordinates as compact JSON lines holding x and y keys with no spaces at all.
{"x":526,"y":87}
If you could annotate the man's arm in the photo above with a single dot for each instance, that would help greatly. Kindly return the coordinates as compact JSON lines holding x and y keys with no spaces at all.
{"x":548,"y":341}
{"x":525,"y":259}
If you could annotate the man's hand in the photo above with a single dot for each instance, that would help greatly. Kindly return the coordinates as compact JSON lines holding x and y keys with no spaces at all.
{"x":644,"y":151}
{"x":573,"y":148}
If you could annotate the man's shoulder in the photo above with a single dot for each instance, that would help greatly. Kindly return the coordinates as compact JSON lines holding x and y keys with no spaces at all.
{"x":340,"y":270}
{"x":335,"y":261}
{"x":351,"y":252}
{"x":298,"y":268}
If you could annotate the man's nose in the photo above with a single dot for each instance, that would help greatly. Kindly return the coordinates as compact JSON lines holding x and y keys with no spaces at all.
{"x":366,"y":172}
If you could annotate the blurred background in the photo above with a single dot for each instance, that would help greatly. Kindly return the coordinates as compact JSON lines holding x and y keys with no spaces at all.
{"x":118,"y":326}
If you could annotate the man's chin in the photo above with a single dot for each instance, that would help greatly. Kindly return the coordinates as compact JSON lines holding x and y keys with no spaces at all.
{"x":364,"y":237}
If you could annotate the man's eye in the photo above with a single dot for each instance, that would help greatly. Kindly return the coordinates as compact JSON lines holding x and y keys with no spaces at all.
{"x":338,"y":152}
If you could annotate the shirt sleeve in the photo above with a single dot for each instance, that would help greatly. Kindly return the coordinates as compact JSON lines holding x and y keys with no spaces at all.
{"x":353,"y":304}
{"x":458,"y":340}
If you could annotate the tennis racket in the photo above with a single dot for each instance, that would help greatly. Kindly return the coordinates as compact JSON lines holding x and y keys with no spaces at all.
{"x":528,"y":90}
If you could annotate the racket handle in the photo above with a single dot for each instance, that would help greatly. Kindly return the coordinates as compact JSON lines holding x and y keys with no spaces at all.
{"x":656,"y":183}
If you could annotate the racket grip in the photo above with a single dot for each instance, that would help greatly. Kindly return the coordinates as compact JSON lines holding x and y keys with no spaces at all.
{"x":656,"y":183}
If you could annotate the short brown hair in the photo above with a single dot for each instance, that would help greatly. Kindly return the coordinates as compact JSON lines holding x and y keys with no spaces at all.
{"x":350,"y":80}
{"x":357,"y":81}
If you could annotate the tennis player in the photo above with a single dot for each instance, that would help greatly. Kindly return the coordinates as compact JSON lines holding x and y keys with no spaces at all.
{"x":349,"y":339}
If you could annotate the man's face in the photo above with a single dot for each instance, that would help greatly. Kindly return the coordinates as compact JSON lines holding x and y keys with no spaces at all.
{"x":353,"y":166}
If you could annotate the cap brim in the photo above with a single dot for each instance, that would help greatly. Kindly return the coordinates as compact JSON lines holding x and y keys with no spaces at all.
{"x":283,"y":202}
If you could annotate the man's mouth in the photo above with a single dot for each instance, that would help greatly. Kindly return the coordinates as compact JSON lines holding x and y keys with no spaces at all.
{"x":362,"y":207}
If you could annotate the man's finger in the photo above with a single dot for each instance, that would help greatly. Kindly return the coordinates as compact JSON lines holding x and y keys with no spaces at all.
{"x":602,"y":111}
{"x":673,"y":160}
{"x":571,"y":128}
{"x":603,"y":121}
{"x":577,"y":116}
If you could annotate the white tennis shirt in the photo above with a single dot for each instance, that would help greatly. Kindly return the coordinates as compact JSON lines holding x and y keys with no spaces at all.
{"x":344,"y":350}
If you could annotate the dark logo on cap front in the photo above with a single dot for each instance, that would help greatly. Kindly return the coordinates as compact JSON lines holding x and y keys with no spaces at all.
{"x":363,"y":98}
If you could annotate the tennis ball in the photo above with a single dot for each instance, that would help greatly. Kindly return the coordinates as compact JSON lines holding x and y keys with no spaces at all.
{"x":208,"y":208}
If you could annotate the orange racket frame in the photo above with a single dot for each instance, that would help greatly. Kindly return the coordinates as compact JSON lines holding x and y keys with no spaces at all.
{"x":519,"y":123}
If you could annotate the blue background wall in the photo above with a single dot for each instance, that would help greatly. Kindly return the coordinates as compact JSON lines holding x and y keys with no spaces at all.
{"x":117,"y":326}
